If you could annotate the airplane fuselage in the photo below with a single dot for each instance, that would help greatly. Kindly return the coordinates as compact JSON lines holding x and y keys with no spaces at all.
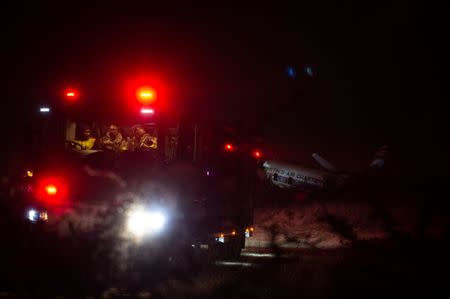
{"x":292,"y":176}
{"x":289,"y":176}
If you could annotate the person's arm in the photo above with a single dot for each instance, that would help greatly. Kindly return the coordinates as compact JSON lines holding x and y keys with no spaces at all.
{"x":89,"y":144}
{"x":107,"y":142}
{"x":147,"y":143}
{"x":124,"y":145}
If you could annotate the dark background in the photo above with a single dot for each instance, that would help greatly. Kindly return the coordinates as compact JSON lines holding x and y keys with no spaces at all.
{"x":378,"y":70}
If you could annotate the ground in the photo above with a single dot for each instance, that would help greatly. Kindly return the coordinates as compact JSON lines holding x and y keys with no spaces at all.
{"x":344,"y":247}
{"x":306,"y":274}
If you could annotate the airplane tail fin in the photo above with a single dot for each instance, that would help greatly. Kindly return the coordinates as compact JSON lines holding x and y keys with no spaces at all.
{"x":324,"y":163}
{"x":379,"y":159}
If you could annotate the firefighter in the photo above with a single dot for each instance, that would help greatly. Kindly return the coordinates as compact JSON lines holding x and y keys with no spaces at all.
{"x":87,"y":141}
{"x":141,"y":140}
{"x":112,"y":140}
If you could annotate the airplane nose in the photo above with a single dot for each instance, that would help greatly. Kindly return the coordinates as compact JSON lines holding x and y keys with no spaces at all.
{"x":261,"y":172}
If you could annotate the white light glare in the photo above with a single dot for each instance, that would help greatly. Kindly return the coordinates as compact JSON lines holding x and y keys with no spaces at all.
{"x":142,"y":222}
{"x":32,"y":215}
{"x":147,"y":111}
{"x":44,"y":109}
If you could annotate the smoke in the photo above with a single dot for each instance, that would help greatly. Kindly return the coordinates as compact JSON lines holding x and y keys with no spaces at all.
{"x":94,"y":230}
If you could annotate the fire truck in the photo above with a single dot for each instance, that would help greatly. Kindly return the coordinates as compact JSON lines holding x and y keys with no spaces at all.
{"x":137,"y":173}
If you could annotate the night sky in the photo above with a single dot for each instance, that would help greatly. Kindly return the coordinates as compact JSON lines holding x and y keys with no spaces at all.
{"x":376,"y":68}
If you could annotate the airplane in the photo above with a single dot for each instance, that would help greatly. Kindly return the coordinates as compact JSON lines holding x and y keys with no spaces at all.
{"x":296,"y":177}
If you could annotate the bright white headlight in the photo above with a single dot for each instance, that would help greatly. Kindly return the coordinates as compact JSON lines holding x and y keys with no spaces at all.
{"x":142,"y":222}
{"x":32,"y":215}
{"x":36,"y":215}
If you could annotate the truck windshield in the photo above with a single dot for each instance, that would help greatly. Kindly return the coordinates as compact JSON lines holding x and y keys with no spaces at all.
{"x":88,"y":137}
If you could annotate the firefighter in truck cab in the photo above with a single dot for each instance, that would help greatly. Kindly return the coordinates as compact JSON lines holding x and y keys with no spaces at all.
{"x":87,"y":140}
{"x":112,"y":140}
{"x":141,"y":140}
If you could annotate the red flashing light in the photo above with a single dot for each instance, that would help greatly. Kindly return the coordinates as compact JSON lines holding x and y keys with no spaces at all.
{"x":229,"y":147}
{"x":146,"y":95}
{"x":51,"y":190}
{"x":257,"y":154}
{"x":71,"y":94}
{"x":146,"y":90}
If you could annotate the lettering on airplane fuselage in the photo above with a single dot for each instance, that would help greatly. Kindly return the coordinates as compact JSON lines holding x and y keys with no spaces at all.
{"x":295,"y":179}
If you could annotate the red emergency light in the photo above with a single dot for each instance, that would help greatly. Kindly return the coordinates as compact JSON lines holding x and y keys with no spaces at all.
{"x":51,"y":190}
{"x":71,"y":94}
{"x":146,"y":95}
{"x":257,"y":154}
{"x":146,"y":90}
{"x":229,"y":147}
